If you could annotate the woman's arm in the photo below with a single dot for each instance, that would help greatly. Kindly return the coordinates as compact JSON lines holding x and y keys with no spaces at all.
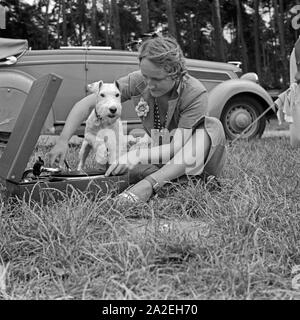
{"x":154,"y":155}
{"x":165,"y":152}
{"x":77,"y":115}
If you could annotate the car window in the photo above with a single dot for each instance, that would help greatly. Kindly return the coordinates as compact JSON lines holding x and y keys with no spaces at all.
{"x":210,"y":78}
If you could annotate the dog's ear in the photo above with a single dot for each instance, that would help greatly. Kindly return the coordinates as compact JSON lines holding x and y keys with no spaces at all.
{"x":100,"y":84}
{"x":117,"y":85}
{"x":94,"y":87}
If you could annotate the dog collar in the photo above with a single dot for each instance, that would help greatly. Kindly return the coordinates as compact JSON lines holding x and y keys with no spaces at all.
{"x":97,"y":115}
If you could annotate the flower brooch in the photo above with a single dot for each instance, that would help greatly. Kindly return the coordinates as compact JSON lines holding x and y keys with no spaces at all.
{"x":142,"y":108}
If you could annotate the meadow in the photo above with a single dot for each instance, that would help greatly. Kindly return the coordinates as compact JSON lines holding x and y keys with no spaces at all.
{"x":191,"y":241}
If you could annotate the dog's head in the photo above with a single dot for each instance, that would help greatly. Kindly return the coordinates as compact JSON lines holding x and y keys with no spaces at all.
{"x":108,"y":102}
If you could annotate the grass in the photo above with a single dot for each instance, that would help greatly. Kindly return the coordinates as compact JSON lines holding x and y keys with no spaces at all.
{"x":240,"y":242}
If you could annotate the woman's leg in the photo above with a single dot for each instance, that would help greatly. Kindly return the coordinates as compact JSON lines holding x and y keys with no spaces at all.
{"x":189,"y":159}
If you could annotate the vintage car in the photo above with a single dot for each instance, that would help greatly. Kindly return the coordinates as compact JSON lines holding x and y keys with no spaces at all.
{"x":236,"y":99}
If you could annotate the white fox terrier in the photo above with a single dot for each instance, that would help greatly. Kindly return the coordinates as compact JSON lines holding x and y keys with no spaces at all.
{"x":104,"y":131}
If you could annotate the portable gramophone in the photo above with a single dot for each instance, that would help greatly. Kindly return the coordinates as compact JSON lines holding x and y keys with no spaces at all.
{"x":39,"y":182}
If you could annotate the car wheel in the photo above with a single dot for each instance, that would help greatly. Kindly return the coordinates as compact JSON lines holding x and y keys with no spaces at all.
{"x":238,"y":114}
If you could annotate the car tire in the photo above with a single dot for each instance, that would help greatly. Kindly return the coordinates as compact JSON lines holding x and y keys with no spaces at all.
{"x":239,"y":113}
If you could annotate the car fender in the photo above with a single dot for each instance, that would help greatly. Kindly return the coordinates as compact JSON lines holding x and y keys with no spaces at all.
{"x":16,"y":79}
{"x":14,"y":88}
{"x":223,"y":92}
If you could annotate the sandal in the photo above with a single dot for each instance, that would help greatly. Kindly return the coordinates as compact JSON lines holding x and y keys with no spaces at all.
{"x":129,"y":197}
{"x":155,"y":184}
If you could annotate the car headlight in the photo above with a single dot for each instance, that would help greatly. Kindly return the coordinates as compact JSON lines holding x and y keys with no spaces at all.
{"x":252,"y":76}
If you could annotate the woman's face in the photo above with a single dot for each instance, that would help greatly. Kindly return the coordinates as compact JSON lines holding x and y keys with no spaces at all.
{"x":157,"y":78}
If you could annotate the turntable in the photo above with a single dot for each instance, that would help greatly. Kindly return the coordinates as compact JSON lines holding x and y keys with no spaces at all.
{"x":41,"y":183}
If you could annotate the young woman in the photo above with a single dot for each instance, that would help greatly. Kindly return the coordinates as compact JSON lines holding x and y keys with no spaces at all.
{"x":173,"y":107}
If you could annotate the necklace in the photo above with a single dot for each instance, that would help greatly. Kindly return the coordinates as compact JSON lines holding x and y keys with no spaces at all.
{"x":157,"y":123}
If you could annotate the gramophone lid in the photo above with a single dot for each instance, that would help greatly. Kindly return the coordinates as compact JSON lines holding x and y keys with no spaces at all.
{"x":28,"y":127}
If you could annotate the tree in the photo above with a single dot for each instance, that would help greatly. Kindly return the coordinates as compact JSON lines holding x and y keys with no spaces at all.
{"x":116,"y":24}
{"x":262,"y":45}
{"x":170,"y":9}
{"x":280,"y":24}
{"x":240,"y":35}
{"x":81,"y":20}
{"x":218,"y":30}
{"x":145,"y":16}
{"x":64,"y":23}
{"x":106,"y":24}
{"x":46,"y":22}
{"x":256,"y":33}
{"x":21,"y":24}
{"x":94,"y":24}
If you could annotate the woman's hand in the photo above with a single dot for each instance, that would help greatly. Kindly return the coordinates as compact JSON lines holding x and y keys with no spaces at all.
{"x":58,"y":153}
{"x":127,"y":161}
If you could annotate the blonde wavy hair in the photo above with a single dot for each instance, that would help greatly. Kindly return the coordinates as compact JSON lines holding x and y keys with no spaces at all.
{"x":165,"y":52}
